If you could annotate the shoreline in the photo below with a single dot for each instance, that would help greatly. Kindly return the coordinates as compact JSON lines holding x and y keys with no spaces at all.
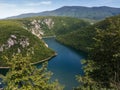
{"x":4,"y":67}
{"x":41,"y":61}
{"x":49,"y":37}
{"x":47,"y":59}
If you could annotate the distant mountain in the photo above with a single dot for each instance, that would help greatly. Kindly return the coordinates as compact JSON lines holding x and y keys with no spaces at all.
{"x":95,"y":13}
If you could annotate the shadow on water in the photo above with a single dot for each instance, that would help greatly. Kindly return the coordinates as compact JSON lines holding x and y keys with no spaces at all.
{"x":3,"y":71}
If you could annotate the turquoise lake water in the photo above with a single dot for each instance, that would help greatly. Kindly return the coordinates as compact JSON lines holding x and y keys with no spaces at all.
{"x":66,"y":65}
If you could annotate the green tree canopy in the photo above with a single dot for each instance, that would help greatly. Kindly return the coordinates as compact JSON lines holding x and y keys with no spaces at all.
{"x":23,"y":76}
{"x":102,"y":70}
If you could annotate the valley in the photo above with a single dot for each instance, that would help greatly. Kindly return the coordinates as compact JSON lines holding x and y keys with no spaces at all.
{"x":80,"y":44}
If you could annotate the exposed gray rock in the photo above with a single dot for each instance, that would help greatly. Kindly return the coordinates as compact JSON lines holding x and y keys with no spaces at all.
{"x":34,"y":22}
{"x":46,"y":45}
{"x":13,"y":40}
{"x":35,"y":26}
{"x":10,"y":42}
{"x":19,"y":51}
{"x":13,"y":36}
{"x":24,"y":42}
{"x":1,"y":49}
{"x":49,"y":22}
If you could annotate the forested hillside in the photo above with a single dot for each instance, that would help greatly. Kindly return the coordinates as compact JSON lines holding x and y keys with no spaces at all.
{"x":50,"y":26}
{"x":82,"y":39}
{"x":101,"y":40}
{"x":102,"y":68}
{"x":23,"y":35}
{"x":15,"y":39}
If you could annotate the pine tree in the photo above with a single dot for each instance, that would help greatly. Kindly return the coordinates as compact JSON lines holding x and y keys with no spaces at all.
{"x":24,"y":76}
{"x":102,"y":70}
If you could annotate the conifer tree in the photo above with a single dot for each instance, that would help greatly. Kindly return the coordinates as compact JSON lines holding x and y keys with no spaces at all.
{"x":102,"y":69}
{"x":24,"y":76}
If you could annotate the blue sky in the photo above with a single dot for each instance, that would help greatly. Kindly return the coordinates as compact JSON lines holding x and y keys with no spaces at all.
{"x":16,"y":7}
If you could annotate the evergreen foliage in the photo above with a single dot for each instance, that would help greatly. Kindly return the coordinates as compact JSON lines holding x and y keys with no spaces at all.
{"x":80,"y":39}
{"x":23,"y":76}
{"x":36,"y":46}
{"x":62,"y":25}
{"x":69,"y":31}
{"x":102,"y":69}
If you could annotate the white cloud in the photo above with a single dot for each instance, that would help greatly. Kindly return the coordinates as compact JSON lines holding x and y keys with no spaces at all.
{"x":5,"y":5}
{"x":7,"y":9}
{"x":46,"y":2}
{"x":39,"y":3}
{"x":6,"y":12}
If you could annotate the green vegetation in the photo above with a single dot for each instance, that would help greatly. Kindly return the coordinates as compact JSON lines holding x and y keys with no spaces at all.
{"x":80,"y":39}
{"x":102,"y":69}
{"x":23,"y":76}
{"x":14,"y":39}
{"x":53,"y":25}
{"x":101,"y":40}
{"x":16,"y":35}
{"x":69,"y":31}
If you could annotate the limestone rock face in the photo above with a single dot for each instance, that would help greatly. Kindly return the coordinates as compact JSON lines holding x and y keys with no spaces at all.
{"x":13,"y":40}
{"x":1,"y":48}
{"x":49,"y":22}
{"x":46,"y":45}
{"x":36,"y":26}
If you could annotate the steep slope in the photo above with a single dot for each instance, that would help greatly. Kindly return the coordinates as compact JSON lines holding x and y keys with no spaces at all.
{"x":82,"y":39}
{"x":51,"y":26}
{"x":102,"y":68}
{"x":24,"y":35}
{"x":15,"y":39}
{"x":94,"y":13}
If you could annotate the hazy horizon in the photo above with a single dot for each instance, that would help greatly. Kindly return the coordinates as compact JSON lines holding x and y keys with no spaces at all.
{"x":15,"y":7}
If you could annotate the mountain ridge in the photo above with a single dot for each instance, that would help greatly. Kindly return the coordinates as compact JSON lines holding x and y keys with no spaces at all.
{"x":95,"y":13}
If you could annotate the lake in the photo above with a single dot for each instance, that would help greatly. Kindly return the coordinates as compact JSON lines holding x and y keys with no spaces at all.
{"x":66,"y":65}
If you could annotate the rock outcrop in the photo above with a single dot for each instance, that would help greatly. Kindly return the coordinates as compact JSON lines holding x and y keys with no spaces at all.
{"x":36,"y":26}
{"x":23,"y":42}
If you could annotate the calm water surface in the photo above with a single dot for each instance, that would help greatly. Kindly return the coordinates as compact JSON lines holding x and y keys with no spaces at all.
{"x":66,"y":65}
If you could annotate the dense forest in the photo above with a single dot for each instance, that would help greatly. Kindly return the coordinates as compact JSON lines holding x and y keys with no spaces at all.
{"x":62,"y":27}
{"x":102,"y":68}
{"x":52,"y":25}
{"x":24,"y":35}
{"x":24,"y":76}
{"x":101,"y":41}
{"x":80,"y":39}
{"x":15,"y":39}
